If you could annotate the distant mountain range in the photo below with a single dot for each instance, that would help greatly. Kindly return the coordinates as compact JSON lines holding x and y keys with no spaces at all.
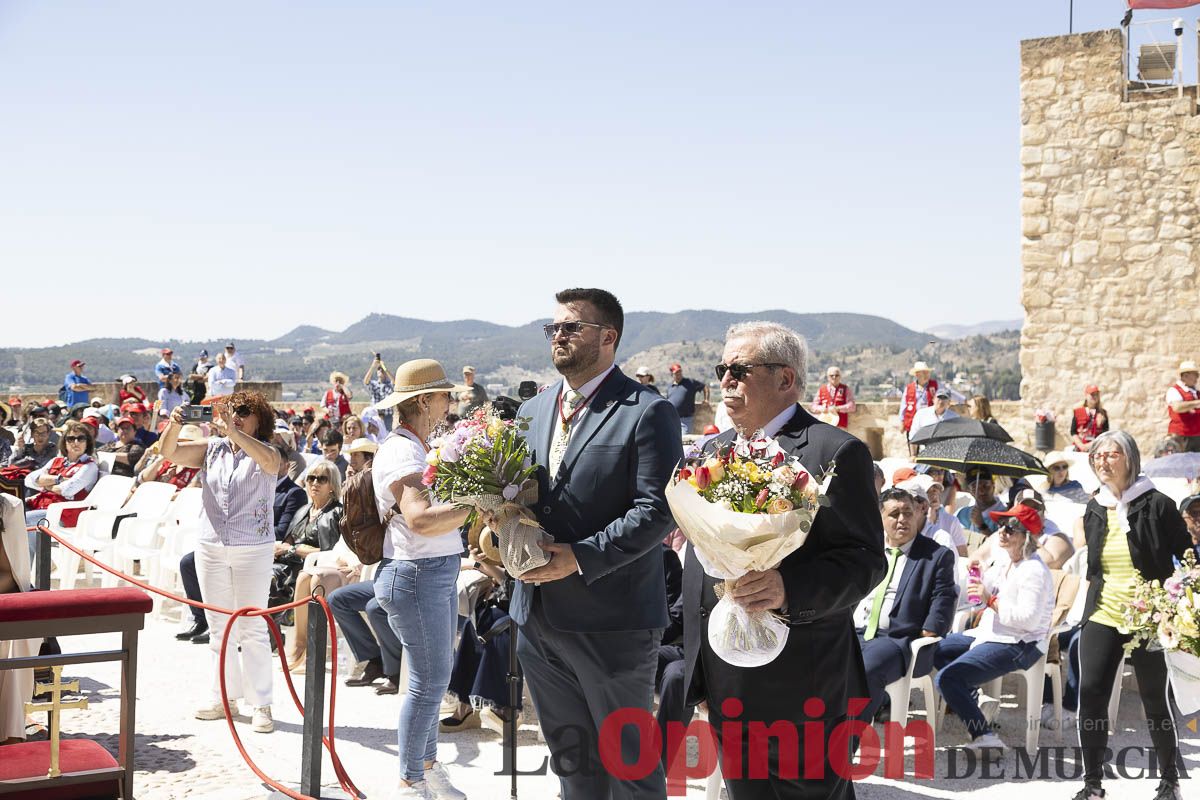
{"x":501,"y":354}
{"x":978,"y":329}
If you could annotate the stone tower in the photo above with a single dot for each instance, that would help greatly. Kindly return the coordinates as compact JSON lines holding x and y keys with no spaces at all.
{"x":1110,"y":235}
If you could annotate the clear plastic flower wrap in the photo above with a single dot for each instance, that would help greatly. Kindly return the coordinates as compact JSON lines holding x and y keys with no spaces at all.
{"x":743,"y":511}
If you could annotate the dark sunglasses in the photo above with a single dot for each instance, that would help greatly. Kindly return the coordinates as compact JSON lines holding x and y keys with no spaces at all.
{"x":1013,"y":525}
{"x":242,"y":411}
{"x":740,"y":371}
{"x":1059,"y":468}
{"x":317,"y":479}
{"x":552,"y":329}
{"x":70,"y":439}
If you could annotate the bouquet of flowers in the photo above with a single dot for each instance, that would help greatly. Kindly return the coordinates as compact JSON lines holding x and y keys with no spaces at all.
{"x":1168,"y":615}
{"x":483,"y":463}
{"x":744,"y":510}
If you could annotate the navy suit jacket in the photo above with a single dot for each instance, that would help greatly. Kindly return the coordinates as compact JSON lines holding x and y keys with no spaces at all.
{"x":925,"y":598}
{"x":289,"y":498}
{"x":608,"y":500}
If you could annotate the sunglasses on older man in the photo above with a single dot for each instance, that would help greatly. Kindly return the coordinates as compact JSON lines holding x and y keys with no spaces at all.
{"x":739,"y":371}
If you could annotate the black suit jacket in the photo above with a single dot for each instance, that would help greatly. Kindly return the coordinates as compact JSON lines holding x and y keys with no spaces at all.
{"x":839,"y":564}
{"x":608,"y":500}
{"x":289,"y":498}
{"x":925,"y":598}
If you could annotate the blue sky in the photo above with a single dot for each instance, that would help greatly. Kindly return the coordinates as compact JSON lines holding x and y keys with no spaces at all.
{"x":237,"y":168}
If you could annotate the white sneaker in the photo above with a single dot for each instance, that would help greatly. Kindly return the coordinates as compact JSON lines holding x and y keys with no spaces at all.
{"x":1048,"y":720}
{"x":418,"y":791}
{"x":989,"y":707}
{"x":986,"y":741}
{"x":216,"y":711}
{"x":438,"y":781}
{"x":261,"y":721}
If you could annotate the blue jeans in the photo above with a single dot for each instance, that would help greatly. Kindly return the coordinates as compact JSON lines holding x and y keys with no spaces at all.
{"x":421,"y":601}
{"x":685,"y":424}
{"x":962,"y":669}
{"x":370,"y":639}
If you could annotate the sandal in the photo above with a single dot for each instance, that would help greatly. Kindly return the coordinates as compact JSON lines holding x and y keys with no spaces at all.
{"x":452,"y":724}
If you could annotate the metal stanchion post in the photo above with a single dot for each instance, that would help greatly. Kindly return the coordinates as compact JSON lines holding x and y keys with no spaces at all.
{"x":314,"y":701}
{"x":42,"y":577}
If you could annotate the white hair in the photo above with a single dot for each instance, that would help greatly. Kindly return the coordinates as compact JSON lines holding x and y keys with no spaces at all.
{"x":776,"y":344}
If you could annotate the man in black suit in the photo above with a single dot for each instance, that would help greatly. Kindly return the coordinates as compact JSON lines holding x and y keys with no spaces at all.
{"x":916,"y":598}
{"x":815,"y":588}
{"x":591,"y":619}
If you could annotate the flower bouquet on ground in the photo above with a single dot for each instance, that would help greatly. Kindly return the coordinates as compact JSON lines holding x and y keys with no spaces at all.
{"x":483,"y":463}
{"x":1168,"y":614}
{"x":743,"y":510}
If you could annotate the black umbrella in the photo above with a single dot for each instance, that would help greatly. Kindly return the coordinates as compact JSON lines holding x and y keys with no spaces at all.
{"x":958,"y":427}
{"x":962,"y":454}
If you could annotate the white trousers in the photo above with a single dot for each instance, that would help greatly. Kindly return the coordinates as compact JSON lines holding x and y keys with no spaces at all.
{"x":233,"y":578}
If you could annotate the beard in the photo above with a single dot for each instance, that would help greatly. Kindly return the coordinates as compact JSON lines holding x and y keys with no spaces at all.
{"x":579,"y":358}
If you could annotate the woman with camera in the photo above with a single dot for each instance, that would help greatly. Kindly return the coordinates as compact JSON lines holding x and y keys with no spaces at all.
{"x":417,"y":580}
{"x":1131,"y":528}
{"x":237,"y":541}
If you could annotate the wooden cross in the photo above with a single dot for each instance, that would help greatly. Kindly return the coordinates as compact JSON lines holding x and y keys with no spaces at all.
{"x":56,"y":704}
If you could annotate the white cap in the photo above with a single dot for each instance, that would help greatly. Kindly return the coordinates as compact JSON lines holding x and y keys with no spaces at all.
{"x":641,"y":371}
{"x":916,"y":487}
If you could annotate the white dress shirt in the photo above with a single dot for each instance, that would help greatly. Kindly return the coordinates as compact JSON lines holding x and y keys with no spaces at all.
{"x":928,"y":416}
{"x":775,"y":425}
{"x":863,"y":611}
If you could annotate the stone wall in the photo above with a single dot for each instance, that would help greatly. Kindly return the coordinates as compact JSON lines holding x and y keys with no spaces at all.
{"x":1110,"y":189}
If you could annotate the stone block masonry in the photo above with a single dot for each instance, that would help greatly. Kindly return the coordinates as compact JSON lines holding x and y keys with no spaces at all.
{"x":1109,"y":215}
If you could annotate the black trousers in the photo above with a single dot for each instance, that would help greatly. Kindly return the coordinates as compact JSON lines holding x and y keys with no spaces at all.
{"x":191,"y":585}
{"x":1100,"y":651}
{"x":577,"y":680}
{"x":672,"y":695}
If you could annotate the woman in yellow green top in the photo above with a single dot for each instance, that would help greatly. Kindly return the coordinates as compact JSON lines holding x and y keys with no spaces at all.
{"x":1131,"y":528}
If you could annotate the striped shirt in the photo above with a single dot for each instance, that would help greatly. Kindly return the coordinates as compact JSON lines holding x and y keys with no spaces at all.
{"x":1118,"y":570}
{"x":238,"y":498}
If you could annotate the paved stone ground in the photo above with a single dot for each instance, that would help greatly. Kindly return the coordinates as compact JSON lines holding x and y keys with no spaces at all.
{"x":181,"y":757}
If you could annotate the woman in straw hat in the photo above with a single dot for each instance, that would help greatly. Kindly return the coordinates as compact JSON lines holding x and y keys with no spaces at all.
{"x":416,"y":582}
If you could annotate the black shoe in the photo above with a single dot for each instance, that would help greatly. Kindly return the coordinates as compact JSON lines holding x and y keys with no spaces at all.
{"x":192,"y":632}
{"x":282,"y":641}
{"x":372,"y":672}
{"x":201,"y":638}
{"x":1168,"y":790}
{"x":1089,"y":793}
{"x":392,"y":686}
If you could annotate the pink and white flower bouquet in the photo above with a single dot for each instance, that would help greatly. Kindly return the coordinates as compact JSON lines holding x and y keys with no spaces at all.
{"x":1167,"y":615}
{"x":483,"y":463}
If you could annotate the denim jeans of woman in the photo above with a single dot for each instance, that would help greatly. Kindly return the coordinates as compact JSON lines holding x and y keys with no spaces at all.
{"x":963,"y":668}
{"x":421,"y":602}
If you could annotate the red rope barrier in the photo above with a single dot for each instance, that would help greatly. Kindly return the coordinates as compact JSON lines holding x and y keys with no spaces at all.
{"x":249,"y":611}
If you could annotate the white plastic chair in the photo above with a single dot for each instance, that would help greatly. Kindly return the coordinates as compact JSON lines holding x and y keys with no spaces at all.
{"x":1034,"y":678}
{"x":105,"y":461}
{"x":98,"y":530}
{"x":109,"y":493}
{"x":145,"y":538}
{"x":900,"y":691}
{"x":178,"y":536}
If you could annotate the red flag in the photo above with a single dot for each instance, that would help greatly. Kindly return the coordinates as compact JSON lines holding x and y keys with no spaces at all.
{"x":1163,"y":3}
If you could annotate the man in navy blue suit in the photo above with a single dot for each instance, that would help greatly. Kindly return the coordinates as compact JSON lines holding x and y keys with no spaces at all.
{"x":916,"y":598}
{"x":591,"y":619}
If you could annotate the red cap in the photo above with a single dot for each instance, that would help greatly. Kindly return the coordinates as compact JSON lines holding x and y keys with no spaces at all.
{"x":903,"y":474}
{"x":711,"y":429}
{"x":167,"y":350}
{"x":1091,"y":389}
{"x":14,"y":401}
{"x":1028,"y":517}
{"x":47,"y":403}
{"x":78,"y":363}
{"x":291,"y":412}
{"x":95,"y":423}
{"x":308,"y":408}
{"x":123,"y":420}
{"x":676,"y":368}
{"x":133,"y":407}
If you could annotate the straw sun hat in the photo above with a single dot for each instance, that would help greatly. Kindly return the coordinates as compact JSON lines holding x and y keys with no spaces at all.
{"x":419,"y":376}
